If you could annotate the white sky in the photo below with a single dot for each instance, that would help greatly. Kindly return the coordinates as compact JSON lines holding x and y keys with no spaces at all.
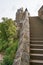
{"x":8,"y":8}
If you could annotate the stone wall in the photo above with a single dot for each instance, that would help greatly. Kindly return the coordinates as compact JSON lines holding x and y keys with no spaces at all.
{"x":22,"y":55}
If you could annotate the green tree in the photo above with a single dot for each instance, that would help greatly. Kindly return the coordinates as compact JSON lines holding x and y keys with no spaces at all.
{"x":8,"y":40}
{"x":9,"y":28}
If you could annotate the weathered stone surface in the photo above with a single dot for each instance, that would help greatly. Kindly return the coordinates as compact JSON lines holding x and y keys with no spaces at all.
{"x":22,"y":55}
{"x":25,"y":59}
{"x":17,"y":59}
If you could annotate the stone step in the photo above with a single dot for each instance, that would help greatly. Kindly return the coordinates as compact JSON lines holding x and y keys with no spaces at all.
{"x":33,"y":63}
{"x":38,"y":38}
{"x":36,"y":51}
{"x":37,"y":46}
{"x":36,"y":61}
{"x":37,"y":41}
{"x":36,"y":56}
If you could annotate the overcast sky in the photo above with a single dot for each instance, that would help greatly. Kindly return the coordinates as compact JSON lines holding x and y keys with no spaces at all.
{"x":8,"y":8}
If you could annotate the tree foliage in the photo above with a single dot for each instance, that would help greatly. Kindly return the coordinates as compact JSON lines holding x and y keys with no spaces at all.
{"x":8,"y":40}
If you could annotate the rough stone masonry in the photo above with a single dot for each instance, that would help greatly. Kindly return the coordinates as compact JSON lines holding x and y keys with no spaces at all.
{"x":22,"y":55}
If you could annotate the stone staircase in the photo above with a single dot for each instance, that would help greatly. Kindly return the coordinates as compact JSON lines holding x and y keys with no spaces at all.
{"x":36,"y":52}
{"x":36,"y":42}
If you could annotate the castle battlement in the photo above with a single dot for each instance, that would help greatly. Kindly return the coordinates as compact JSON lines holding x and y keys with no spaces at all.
{"x":20,"y":14}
